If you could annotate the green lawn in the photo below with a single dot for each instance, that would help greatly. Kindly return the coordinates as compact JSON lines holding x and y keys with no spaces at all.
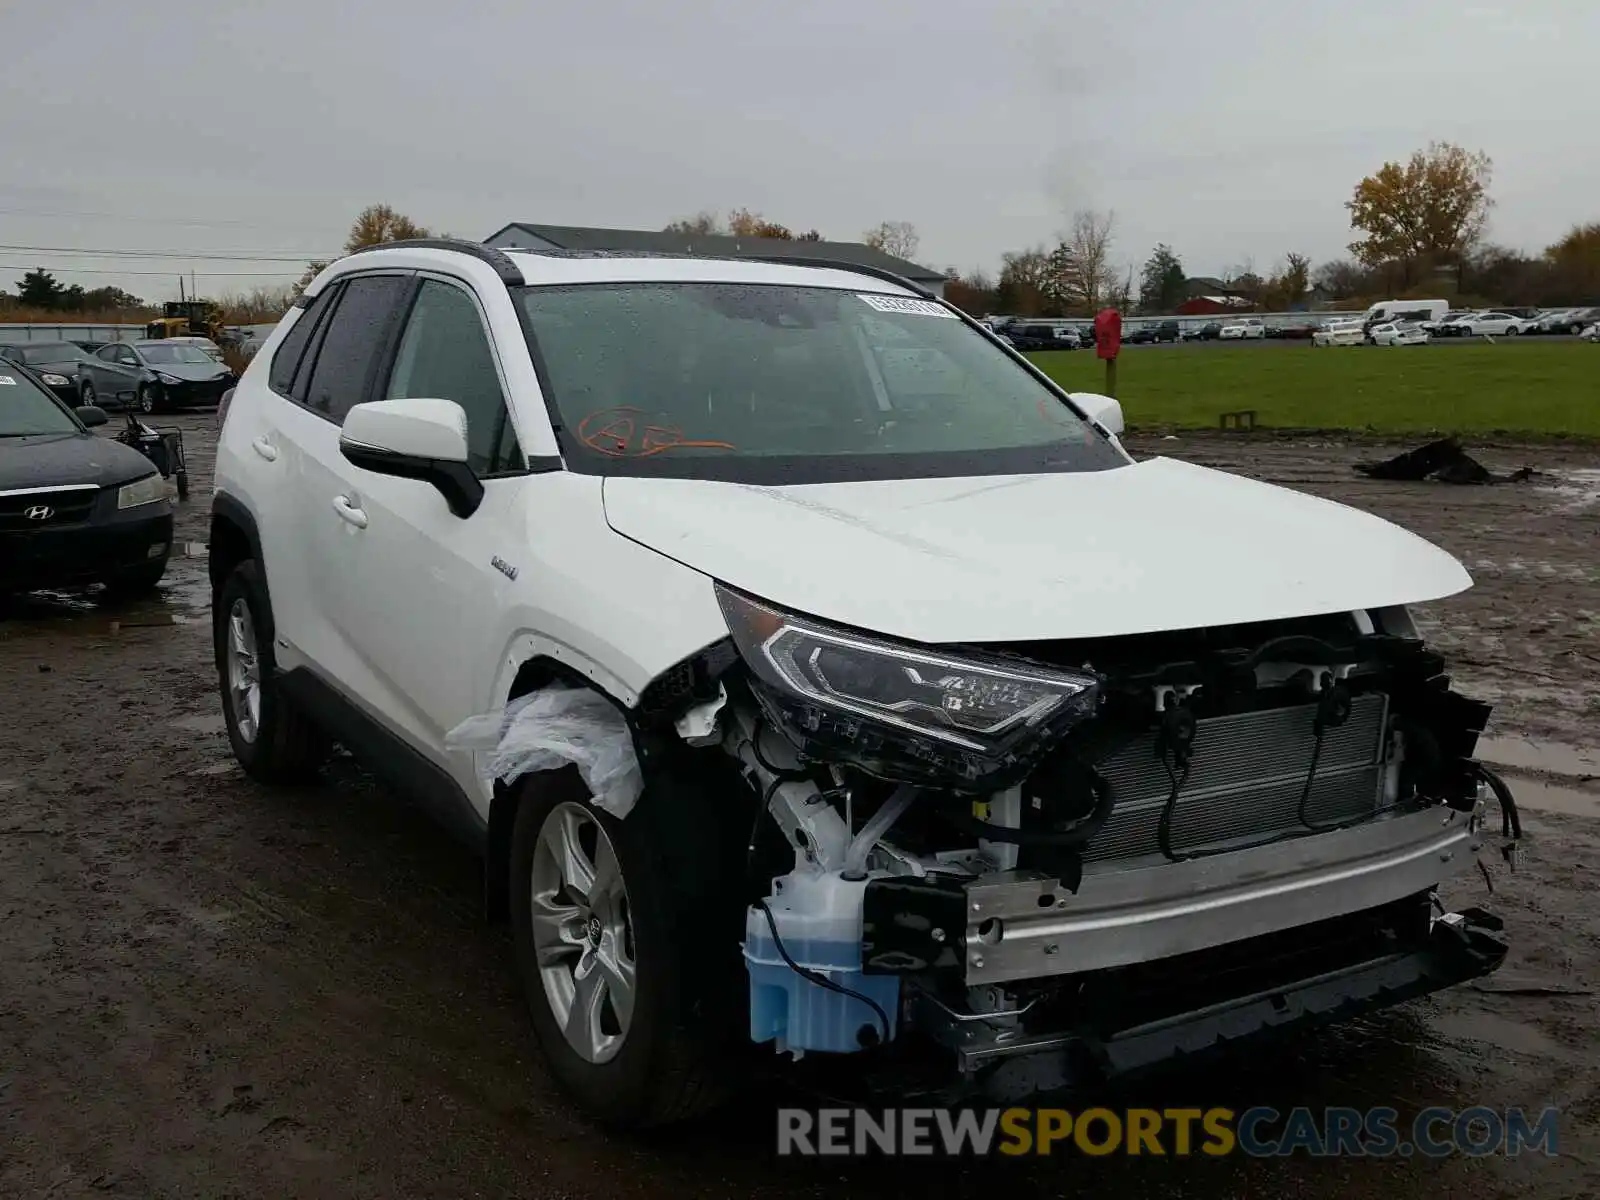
{"x":1521,"y":387}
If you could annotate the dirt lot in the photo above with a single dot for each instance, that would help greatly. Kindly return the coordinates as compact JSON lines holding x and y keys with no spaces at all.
{"x":210,"y":990}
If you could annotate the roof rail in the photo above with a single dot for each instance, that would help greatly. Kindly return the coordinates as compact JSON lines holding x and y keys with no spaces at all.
{"x":510,"y":274}
{"x":835,"y":264}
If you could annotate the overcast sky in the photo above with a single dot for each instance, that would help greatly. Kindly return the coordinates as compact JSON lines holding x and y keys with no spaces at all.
{"x":1232,"y":129}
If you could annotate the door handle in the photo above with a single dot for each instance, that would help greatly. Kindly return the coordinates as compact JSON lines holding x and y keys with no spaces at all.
{"x":265,"y":448}
{"x":349,"y":512}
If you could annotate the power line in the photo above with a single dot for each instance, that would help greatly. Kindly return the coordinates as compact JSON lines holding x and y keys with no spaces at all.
{"x":167,"y":274}
{"x":185,"y":255}
{"x":184,"y":221}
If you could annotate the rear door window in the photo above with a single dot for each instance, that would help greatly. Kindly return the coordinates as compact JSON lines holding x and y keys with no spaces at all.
{"x":357,"y":331}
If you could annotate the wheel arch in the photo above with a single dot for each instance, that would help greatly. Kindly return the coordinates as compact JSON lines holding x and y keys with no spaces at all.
{"x":234,"y":538}
{"x":649,"y":714}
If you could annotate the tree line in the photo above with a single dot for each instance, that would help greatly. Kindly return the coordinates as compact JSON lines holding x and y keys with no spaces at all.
{"x":41,"y":291}
{"x":1420,"y":229}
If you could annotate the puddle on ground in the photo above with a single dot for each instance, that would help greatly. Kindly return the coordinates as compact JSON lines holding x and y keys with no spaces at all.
{"x":1576,"y":490}
{"x":211,"y":722}
{"x":1535,"y":797}
{"x":1531,"y":754}
{"x":181,"y":598}
{"x":1499,"y":1032}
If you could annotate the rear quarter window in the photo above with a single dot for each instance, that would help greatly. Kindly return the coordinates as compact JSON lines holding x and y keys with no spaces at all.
{"x":293,"y":347}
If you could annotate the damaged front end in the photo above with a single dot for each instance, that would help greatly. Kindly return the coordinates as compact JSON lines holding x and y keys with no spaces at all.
{"x":1046,"y":863}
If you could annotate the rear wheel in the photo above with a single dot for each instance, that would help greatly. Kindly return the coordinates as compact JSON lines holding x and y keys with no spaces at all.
{"x":272,"y":739}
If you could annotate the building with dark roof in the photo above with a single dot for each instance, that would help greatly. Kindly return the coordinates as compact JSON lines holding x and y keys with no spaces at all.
{"x":523,"y":235}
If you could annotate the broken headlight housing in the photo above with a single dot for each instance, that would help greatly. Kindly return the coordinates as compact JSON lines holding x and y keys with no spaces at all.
{"x":962,"y":720}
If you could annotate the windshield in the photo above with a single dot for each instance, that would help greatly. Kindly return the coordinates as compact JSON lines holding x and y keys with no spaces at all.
{"x":166,"y":353}
{"x":26,"y":410}
{"x":774,"y":384}
{"x":52,"y":353}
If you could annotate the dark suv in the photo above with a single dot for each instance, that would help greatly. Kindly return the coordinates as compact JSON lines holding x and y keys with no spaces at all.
{"x":1038,"y":336}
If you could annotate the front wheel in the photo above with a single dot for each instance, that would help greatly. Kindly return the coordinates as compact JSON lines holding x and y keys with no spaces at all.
{"x":1512,"y":332}
{"x":86,"y":394}
{"x":147,"y":401}
{"x":626,"y":937}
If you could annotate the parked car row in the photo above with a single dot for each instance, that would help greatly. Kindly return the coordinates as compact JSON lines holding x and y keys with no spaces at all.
{"x":1402,"y":322}
{"x":1510,"y":323}
{"x":147,"y":375}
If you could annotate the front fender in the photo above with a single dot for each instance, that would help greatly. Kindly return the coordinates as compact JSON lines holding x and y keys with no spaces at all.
{"x":594,"y":602}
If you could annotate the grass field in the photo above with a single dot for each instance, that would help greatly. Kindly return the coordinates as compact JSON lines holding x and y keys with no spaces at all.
{"x":1521,"y":387}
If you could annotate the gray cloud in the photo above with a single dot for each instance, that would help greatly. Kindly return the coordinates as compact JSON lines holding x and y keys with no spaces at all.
{"x":1231,"y":129}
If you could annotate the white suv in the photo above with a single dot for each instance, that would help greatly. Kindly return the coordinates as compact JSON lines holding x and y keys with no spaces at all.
{"x":812,"y":675}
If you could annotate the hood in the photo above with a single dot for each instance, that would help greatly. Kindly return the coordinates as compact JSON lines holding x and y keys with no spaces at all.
{"x":1156,"y":545}
{"x":192,"y":372}
{"x":58,"y":458}
{"x":69,"y":368}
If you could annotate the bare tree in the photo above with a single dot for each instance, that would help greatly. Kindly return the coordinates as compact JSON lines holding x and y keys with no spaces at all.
{"x":899,"y":238}
{"x":1080,"y":275}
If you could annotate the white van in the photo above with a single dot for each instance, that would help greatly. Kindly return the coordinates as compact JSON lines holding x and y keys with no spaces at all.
{"x":1405,"y":310}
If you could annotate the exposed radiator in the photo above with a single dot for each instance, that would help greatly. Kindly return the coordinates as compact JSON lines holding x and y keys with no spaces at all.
{"x":1245,"y":781}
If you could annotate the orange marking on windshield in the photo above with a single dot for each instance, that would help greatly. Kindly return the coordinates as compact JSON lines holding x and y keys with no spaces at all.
{"x":611,"y":432}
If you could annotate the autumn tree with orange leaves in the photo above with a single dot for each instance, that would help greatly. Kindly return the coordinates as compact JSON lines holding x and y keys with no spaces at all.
{"x":1428,"y":211}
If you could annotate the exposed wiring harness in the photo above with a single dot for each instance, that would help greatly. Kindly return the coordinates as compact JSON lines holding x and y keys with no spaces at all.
{"x":1175,"y":745}
{"x":1334,"y":706}
{"x":1510,"y":820}
{"x":822,"y":980}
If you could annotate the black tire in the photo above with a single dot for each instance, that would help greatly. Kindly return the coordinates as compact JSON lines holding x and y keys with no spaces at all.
{"x":136,"y":582}
{"x":148,"y":401}
{"x":690,"y":1009}
{"x":182,"y":480}
{"x":287,"y":747}
{"x":86,"y":393}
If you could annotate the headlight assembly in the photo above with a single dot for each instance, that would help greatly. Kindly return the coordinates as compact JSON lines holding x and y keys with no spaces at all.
{"x":141,"y":491}
{"x":168,"y":379}
{"x":904,"y":711}
{"x":51,"y":379}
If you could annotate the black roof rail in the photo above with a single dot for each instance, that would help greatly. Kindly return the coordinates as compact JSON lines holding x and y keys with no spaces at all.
{"x":834,"y":264}
{"x":510,"y":274}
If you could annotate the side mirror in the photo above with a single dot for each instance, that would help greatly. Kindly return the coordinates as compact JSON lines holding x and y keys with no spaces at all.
{"x":91,"y":414}
{"x":1102,"y":410}
{"x":418,"y":439}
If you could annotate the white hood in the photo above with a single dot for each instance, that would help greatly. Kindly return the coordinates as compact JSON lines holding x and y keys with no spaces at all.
{"x":1152,"y":546}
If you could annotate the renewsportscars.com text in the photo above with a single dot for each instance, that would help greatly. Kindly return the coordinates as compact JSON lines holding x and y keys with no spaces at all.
{"x":1178,"y":1132}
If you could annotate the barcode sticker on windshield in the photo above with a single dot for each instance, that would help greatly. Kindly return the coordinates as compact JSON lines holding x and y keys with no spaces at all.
{"x":7,"y":381}
{"x":904,"y":304}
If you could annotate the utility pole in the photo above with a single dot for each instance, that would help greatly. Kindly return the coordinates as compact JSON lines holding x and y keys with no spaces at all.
{"x":181,"y":296}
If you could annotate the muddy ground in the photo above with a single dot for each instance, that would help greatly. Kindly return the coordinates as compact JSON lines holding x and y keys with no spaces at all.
{"x":211,"y":990}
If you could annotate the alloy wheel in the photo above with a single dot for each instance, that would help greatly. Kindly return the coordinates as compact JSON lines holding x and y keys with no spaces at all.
{"x":244,"y":671}
{"x":583,"y":932}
